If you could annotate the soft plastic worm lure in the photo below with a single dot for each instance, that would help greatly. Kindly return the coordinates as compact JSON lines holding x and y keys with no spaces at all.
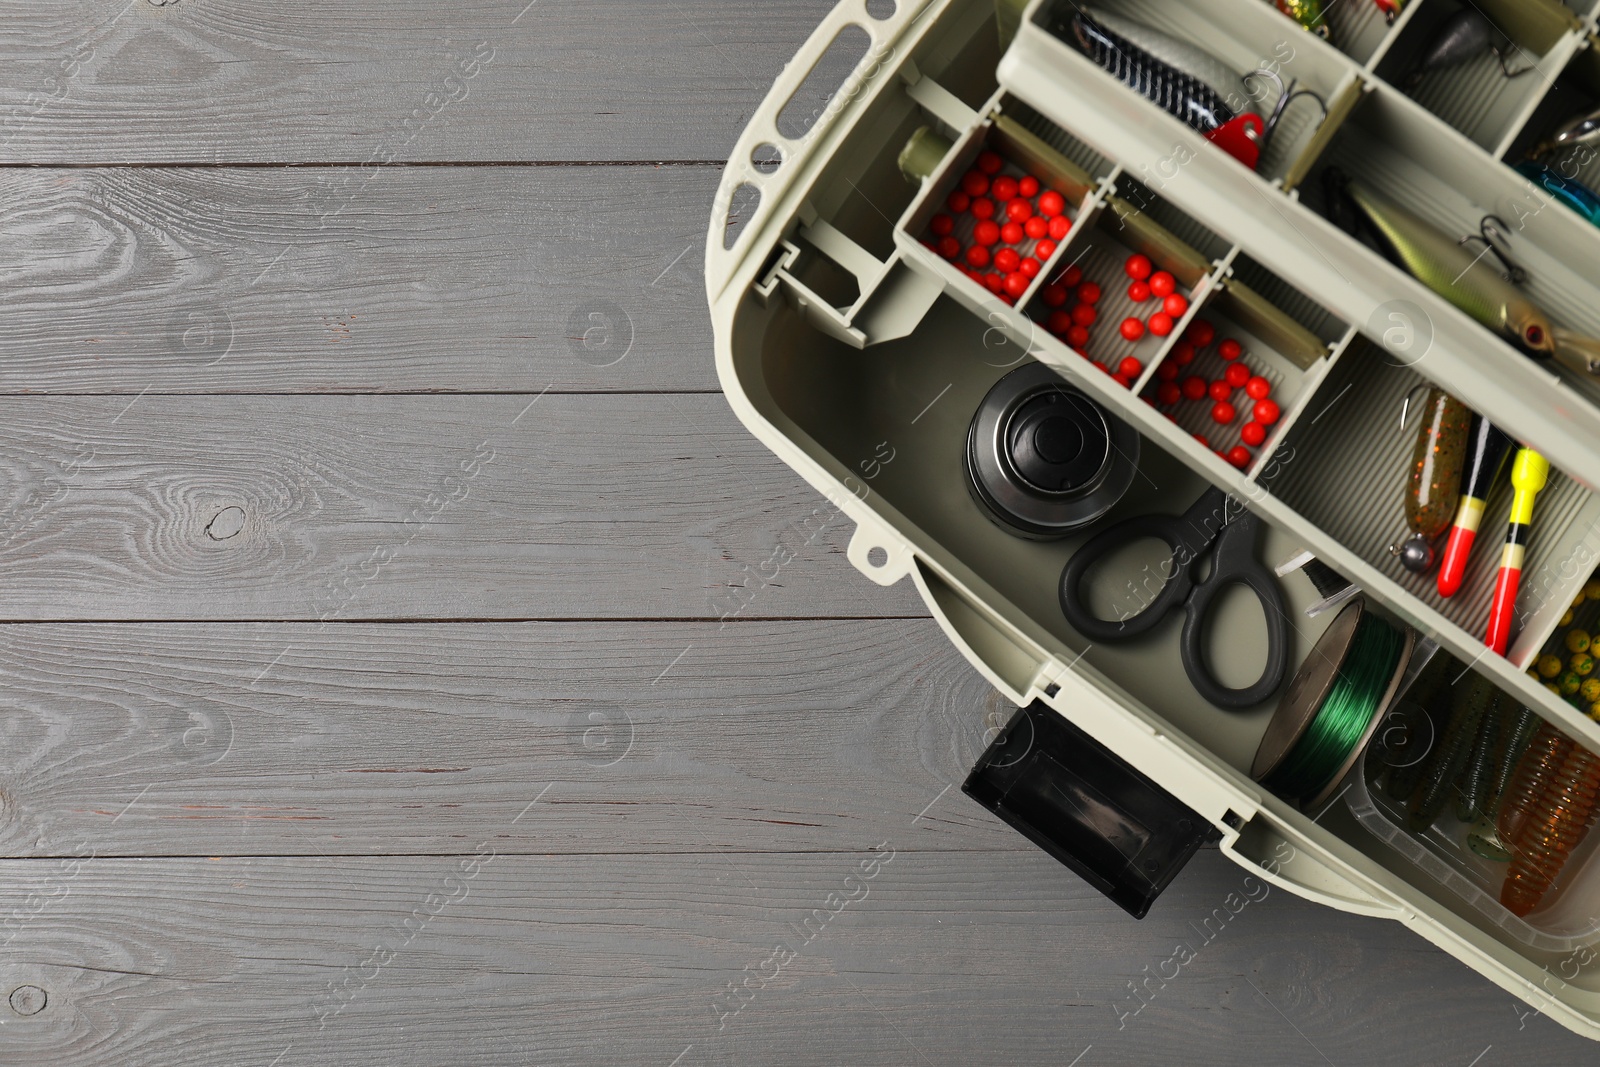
{"x":1435,"y":484}
{"x":1542,"y":760}
{"x":1429,"y":692}
{"x":1469,"y":701}
{"x":1517,"y":736}
{"x":1473,"y":786}
{"x":1556,"y":825}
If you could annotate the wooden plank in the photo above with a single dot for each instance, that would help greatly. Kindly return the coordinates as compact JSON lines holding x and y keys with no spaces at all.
{"x":94,"y":81}
{"x":366,"y":739}
{"x":938,"y":958}
{"x":225,"y":280}
{"x":412,"y":507}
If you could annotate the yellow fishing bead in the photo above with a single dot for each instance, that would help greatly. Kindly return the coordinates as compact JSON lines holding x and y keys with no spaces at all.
{"x":1549,"y":666}
{"x":1590,"y":690}
{"x":1592,"y":589}
{"x":1579,"y":599}
{"x":1594,"y":711}
{"x":1553,"y":687}
{"x":1577,"y":640}
{"x":1582,"y":664}
{"x":1569,"y":683}
{"x":1566,"y":620}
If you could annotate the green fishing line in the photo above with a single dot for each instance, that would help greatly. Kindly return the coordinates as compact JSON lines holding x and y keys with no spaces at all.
{"x":1351,"y":703}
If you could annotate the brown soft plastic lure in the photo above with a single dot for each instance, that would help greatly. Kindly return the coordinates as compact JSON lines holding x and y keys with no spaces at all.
{"x":1435,"y":484}
{"x":1541,"y":762}
{"x":1555,"y":827}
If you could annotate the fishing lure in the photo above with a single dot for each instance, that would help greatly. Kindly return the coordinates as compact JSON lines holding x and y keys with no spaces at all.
{"x":1435,"y":483}
{"x":1472,"y":788}
{"x":1390,"y":8}
{"x":1540,"y":762}
{"x":1529,"y":472}
{"x":1310,"y":14}
{"x":1469,"y":700}
{"x":1185,"y":81}
{"x":1556,"y":826}
{"x":1463,"y":37}
{"x":1574,"y":194}
{"x":1467,"y":281}
{"x":1487,"y":448}
{"x":1517,"y":736}
{"x":1581,"y":129}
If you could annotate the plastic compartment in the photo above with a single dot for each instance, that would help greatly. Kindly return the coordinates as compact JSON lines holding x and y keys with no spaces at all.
{"x":1568,"y":917}
{"x":1360,"y":29}
{"x":1291,"y":349}
{"x":1476,"y":97}
{"x":1351,"y":462}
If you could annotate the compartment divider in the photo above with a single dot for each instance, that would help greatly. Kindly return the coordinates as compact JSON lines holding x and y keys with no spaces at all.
{"x":1310,"y":385}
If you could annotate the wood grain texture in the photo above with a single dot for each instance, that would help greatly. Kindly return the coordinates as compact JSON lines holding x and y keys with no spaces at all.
{"x":412,"y":739}
{"x":229,"y":280}
{"x":939,"y":959}
{"x":415,"y":507}
{"x":208,"y":81}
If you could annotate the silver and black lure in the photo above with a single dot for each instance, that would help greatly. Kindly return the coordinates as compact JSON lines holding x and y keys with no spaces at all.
{"x":1186,"y":82}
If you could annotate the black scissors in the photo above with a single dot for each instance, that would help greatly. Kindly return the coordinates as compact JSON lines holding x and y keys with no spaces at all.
{"x":1207,"y":525}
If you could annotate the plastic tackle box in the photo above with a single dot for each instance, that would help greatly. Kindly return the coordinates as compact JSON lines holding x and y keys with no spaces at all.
{"x":851,"y":344}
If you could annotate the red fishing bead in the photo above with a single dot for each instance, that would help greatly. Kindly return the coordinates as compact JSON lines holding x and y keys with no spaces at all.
{"x":1200,"y":332}
{"x":949,"y":247}
{"x":1138,"y":292}
{"x":1163,"y":284}
{"x":1169,"y":394}
{"x":1084,"y":314}
{"x":1160,"y":323}
{"x":942,"y":225}
{"x":990,"y":162}
{"x":1138,"y":267}
{"x":1239,"y":456}
{"x":983,"y":208}
{"x":995,"y":283}
{"x":1028,"y":186}
{"x":1089,"y":293}
{"x":1037,"y":228}
{"x":1058,"y":322}
{"x":1078,"y":336}
{"x":1220,"y":390}
{"x":1223,"y":412}
{"x":1053,"y":295}
{"x":1072,"y":276}
{"x":1230,"y":349}
{"x":958,"y":202}
{"x":1237,"y":375}
{"x":1258,"y":388}
{"x":1019,"y":210}
{"x":1194,"y":387}
{"x":975,"y":183}
{"x":1003,"y":188}
{"x":1029,"y":266}
{"x":1012,"y":234}
{"x":1168,"y":371}
{"x":1016,"y":283}
{"x":1131,"y":328}
{"x":1266,"y":412}
{"x":1252,"y":434}
{"x":1202,"y":439}
{"x":1130,"y":367}
{"x":1051,"y":203}
{"x":1045,"y":248}
{"x":1174,"y":304}
{"x":1123,"y":380}
{"x":978,"y":256}
{"x":1006,"y":260}
{"x":1183,"y":352}
{"x":986,"y":233}
{"x":1060,"y":226}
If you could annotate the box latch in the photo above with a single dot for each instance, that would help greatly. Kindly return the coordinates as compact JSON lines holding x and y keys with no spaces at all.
{"x":1087,"y":807}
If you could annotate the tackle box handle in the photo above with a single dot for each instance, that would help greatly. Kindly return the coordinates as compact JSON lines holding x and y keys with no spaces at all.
{"x":911,"y":19}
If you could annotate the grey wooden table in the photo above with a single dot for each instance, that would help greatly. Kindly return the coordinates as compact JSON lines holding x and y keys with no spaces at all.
{"x":368,"y":531}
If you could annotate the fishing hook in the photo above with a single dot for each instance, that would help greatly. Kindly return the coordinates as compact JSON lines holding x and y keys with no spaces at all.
{"x":1286,"y":96}
{"x":1405,"y":407}
{"x":1490,"y":227}
{"x":1500,"y":57}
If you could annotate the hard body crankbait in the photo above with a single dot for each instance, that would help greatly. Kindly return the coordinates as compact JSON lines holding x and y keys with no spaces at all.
{"x":1581,"y":129}
{"x":1187,"y":82}
{"x":1574,"y":194}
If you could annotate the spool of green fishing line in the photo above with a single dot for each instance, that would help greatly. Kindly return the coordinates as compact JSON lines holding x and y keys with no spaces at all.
{"x":1332,"y":706}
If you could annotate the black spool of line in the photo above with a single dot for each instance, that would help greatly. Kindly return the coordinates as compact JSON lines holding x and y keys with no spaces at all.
{"x":1331,"y":708}
{"x":1043,"y":459}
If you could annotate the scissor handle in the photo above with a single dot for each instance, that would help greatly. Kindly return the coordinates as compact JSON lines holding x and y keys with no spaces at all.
{"x":1234,"y":562}
{"x":1175,"y":588}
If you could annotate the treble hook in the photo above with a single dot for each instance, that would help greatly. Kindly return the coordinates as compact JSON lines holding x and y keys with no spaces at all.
{"x":1500,"y":57}
{"x":1490,"y":227}
{"x":1286,"y":96}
